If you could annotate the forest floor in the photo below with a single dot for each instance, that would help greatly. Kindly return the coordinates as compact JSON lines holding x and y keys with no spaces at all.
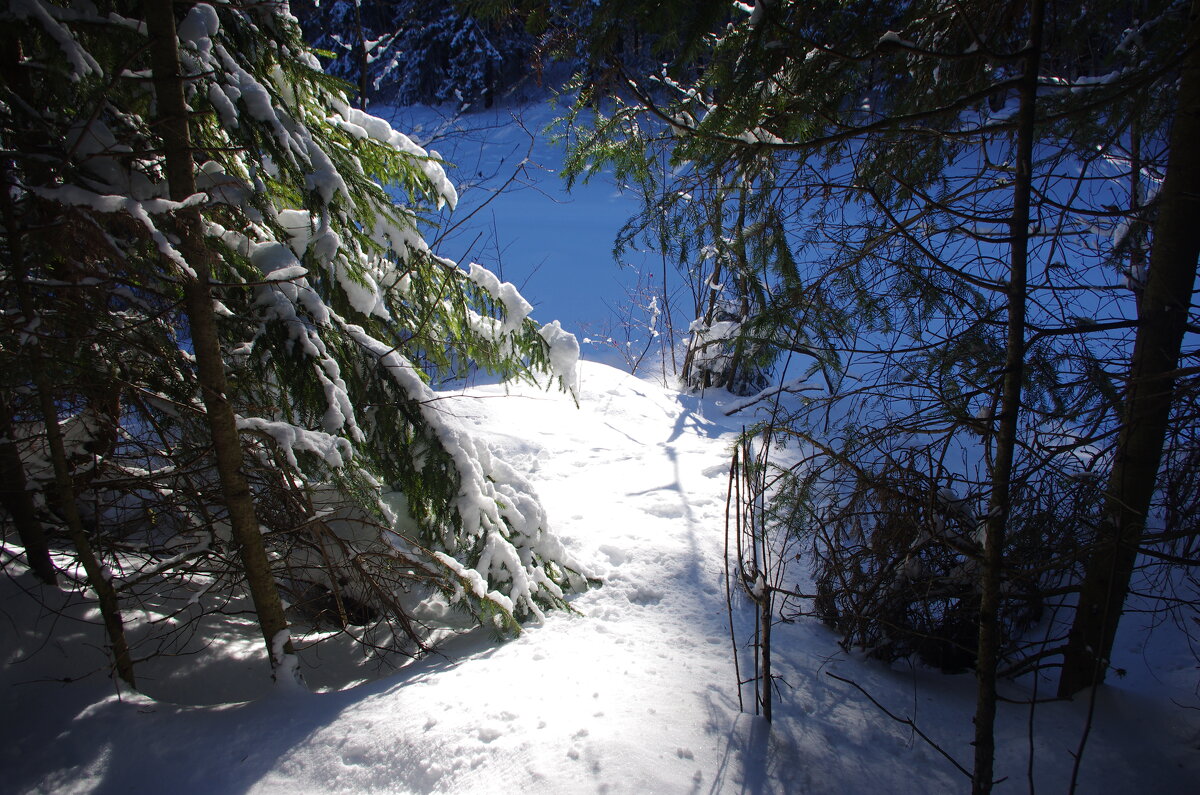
{"x":635,"y":693}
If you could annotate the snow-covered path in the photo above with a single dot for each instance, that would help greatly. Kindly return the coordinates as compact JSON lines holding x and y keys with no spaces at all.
{"x":635,"y":694}
{"x":626,"y":696}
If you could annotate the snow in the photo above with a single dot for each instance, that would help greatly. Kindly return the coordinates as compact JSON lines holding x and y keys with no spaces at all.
{"x":334,"y":450}
{"x":564,"y":351}
{"x":199,"y":26}
{"x":635,"y":693}
{"x":82,"y":62}
{"x":893,"y":38}
{"x":138,"y":210}
{"x":516,"y":308}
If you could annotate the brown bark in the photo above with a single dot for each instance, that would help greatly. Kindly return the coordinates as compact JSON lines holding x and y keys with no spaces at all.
{"x":98,"y":579}
{"x":173,"y":125}
{"x":1163,"y":312}
{"x":1007,"y":428}
{"x":767,"y":617}
{"x":17,"y":500}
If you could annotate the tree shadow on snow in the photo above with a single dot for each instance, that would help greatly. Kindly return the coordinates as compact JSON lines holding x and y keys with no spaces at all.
{"x":693,"y":417}
{"x":133,"y":744}
{"x":755,"y":760}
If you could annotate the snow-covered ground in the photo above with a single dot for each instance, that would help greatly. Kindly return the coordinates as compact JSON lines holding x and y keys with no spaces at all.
{"x":634,"y":694}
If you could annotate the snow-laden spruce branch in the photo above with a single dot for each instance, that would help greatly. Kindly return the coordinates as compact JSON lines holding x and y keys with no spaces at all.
{"x":332,"y":314}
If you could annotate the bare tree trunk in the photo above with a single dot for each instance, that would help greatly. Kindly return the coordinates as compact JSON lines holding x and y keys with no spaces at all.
{"x":767,"y":608}
{"x":364,"y":60}
{"x":97,"y":577}
{"x":173,"y":124}
{"x":1163,"y":313}
{"x":1007,"y":430}
{"x":16,"y":499}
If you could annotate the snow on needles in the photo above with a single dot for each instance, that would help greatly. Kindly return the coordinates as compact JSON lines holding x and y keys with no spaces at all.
{"x":564,"y":352}
{"x":516,"y":308}
{"x":362,"y":124}
{"x":499,"y":514}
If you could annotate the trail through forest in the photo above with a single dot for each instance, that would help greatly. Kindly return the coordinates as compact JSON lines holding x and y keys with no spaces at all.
{"x":636,"y":693}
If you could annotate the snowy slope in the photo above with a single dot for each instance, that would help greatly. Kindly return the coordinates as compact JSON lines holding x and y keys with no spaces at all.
{"x":635,"y":694}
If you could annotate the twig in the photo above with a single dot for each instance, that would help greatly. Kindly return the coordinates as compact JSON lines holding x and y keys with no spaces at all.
{"x":733,"y":468}
{"x":906,"y":721}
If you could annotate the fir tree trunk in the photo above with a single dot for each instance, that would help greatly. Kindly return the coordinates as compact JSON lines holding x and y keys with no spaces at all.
{"x":1163,"y":313}
{"x":198,"y":302}
{"x":97,"y":577}
{"x":1007,"y":430}
{"x":16,"y":499}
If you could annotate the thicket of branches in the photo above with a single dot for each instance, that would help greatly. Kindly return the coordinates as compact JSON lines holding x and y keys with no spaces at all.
{"x":957,"y":231}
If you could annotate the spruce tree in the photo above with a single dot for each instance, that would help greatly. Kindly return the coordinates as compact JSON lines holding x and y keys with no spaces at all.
{"x":329,"y":312}
{"x":415,"y":52}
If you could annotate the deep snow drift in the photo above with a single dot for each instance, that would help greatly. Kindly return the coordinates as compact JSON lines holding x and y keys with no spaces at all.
{"x":635,"y":694}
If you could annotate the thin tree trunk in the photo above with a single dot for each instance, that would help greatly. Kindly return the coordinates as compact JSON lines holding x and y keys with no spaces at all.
{"x":28,"y":527}
{"x":1163,"y":312}
{"x":198,"y":302}
{"x":1000,"y":503}
{"x":17,"y":500}
{"x":766,"y":607}
{"x":706,"y":294}
{"x":98,"y":579}
{"x":668,"y":320}
{"x":364,"y":60}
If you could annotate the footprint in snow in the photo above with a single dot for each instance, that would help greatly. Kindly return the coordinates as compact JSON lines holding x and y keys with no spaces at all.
{"x":644,"y":595}
{"x":615,"y":555}
{"x":665,"y":510}
{"x":488,"y":734}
